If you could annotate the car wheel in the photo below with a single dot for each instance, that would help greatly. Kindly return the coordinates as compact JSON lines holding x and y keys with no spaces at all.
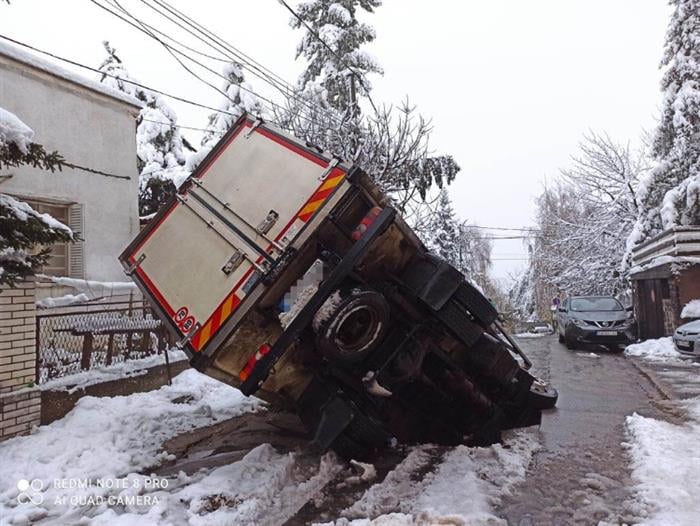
{"x":561,"y":338}
{"x":350,"y":329}
{"x":542,"y":395}
{"x":570,"y":344}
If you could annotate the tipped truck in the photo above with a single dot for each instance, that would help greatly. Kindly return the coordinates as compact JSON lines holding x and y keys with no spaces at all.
{"x":286,"y":273}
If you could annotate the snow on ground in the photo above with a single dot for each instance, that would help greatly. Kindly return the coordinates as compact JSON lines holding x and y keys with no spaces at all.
{"x":661,"y":350}
{"x":666,"y":468}
{"x":109,"y":441}
{"x":465,"y":488}
{"x":691,"y":310}
{"x":532,"y":334}
{"x":107,"y":373}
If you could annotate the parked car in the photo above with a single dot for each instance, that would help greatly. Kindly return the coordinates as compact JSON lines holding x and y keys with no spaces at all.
{"x":595,"y":319}
{"x":687,"y":338}
{"x":285,"y":272}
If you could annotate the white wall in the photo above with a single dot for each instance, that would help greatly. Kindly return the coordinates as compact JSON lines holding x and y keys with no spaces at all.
{"x":89,"y":129}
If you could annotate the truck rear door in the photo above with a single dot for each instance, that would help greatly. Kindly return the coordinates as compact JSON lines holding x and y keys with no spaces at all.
{"x":258,"y":193}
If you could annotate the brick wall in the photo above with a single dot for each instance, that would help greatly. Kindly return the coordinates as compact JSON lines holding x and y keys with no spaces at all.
{"x":20,"y":401}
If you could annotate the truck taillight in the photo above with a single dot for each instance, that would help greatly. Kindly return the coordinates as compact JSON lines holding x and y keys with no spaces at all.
{"x":250,"y":365}
{"x":366,"y":222}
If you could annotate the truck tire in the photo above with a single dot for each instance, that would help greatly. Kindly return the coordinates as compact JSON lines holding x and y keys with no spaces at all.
{"x":350,"y":329}
{"x":476,"y":303}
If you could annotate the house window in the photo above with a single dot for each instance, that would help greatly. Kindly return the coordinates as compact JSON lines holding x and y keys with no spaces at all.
{"x":66,"y":259}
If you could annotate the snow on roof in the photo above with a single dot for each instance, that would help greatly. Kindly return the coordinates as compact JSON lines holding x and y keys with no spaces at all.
{"x":35,"y":61}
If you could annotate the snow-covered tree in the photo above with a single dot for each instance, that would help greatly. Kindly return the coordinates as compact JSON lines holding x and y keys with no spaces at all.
{"x":444,"y":239}
{"x":391,"y":143}
{"x":583,"y":221}
{"x":337,"y":63}
{"x":159,"y":145}
{"x":239,"y":99}
{"x":25,"y":234}
{"x":670,"y":195}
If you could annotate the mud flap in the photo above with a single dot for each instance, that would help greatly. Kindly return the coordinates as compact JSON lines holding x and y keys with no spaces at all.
{"x":336,"y":415}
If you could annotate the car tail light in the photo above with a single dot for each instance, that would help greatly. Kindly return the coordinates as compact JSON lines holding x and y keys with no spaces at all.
{"x":252,"y":362}
{"x":365,"y":223}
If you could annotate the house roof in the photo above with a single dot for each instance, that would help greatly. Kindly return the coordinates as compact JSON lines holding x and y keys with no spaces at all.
{"x":36,"y":62}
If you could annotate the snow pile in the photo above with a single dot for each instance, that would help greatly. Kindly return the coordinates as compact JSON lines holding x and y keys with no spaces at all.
{"x":465,"y":488}
{"x":13,"y":130}
{"x":532,"y":334}
{"x":666,"y":468}
{"x":107,"y":373}
{"x":107,"y":439}
{"x":94,"y":289}
{"x":62,"y":301}
{"x":661,"y":350}
{"x":691,"y":310}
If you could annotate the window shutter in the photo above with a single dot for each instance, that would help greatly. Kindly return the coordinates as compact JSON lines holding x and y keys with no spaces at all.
{"x":76,"y":259}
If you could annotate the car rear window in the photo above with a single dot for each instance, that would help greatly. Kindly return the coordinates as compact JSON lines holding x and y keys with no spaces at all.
{"x":595,"y":304}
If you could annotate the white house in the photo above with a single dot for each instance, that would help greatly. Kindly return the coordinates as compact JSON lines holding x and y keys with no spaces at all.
{"x":93,"y":127}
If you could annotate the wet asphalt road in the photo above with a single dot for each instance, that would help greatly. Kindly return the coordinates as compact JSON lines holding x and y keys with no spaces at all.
{"x":581,"y":474}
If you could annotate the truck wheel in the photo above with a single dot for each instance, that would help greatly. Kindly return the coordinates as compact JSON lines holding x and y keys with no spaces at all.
{"x":349,"y":329}
{"x":476,"y":303}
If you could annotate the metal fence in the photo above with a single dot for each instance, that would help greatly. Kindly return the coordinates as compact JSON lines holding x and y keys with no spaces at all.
{"x":81,"y":339}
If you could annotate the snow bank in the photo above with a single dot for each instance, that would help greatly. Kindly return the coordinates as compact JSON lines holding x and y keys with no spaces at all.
{"x":661,"y":350}
{"x":13,"y":130}
{"x":107,"y":373}
{"x":691,"y":310}
{"x":107,"y":439}
{"x":666,"y":468}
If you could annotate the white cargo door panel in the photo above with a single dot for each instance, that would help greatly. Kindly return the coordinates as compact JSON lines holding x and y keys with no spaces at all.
{"x":250,"y":197}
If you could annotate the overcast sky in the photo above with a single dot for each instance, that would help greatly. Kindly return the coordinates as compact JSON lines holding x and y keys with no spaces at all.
{"x":511,"y":86}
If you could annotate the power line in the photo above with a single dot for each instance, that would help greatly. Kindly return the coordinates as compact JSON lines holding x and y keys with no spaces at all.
{"x":172,"y":50}
{"x":93,"y":170}
{"x":517,"y":229}
{"x":245,"y":61}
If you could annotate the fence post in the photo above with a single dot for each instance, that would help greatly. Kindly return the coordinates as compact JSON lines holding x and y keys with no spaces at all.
{"x":87,"y":351}
{"x":110,"y":349}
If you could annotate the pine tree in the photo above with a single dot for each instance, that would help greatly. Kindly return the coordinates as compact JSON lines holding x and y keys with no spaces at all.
{"x":337,"y":71}
{"x":25,"y":233}
{"x":670,"y":196}
{"x":159,"y":145}
{"x":445,"y":231}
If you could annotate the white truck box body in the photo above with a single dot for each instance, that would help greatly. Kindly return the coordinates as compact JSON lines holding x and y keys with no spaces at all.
{"x":178,"y":260}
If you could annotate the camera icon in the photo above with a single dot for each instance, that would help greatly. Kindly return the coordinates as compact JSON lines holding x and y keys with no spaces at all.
{"x":30,"y":491}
